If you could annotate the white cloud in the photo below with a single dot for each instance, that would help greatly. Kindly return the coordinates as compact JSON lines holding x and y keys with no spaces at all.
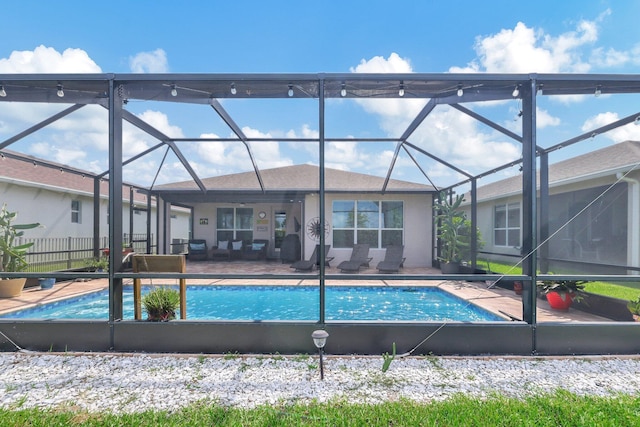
{"x":47,"y":60}
{"x":620,"y":134}
{"x":446,"y":133}
{"x":228,"y":157}
{"x":525,"y":50}
{"x":545,"y":119}
{"x":377,"y":64}
{"x":160,"y":121}
{"x":149,"y":62}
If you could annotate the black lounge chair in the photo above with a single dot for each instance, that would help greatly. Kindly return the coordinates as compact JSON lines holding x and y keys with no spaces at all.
{"x":314,"y":259}
{"x":393,"y":259}
{"x":359,"y":258}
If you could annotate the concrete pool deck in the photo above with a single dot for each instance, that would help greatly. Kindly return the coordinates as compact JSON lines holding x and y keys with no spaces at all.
{"x":494,"y":299}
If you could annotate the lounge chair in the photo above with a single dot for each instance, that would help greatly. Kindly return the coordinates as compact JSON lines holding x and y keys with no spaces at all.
{"x":359,"y":258}
{"x":314,"y":259}
{"x":393,"y":259}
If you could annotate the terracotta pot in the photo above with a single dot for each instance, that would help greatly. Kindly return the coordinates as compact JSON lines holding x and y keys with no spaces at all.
{"x":636,"y":317}
{"x":11,"y":287}
{"x":559,"y":300}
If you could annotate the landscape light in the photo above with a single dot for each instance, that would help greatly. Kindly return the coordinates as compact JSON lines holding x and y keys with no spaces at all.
{"x":319,"y":337}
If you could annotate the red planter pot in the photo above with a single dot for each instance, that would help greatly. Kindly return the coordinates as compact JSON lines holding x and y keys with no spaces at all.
{"x":559,"y":301}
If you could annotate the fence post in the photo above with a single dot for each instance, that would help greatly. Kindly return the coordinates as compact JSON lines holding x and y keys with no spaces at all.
{"x":68,"y":252}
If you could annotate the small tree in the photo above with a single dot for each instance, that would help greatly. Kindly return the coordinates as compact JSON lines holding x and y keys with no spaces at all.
{"x":450,"y":225}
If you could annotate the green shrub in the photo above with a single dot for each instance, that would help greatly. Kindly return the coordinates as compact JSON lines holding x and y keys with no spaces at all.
{"x":161,"y":304}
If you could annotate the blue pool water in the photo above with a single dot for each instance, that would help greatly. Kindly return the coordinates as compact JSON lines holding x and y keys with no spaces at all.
{"x":284,"y":303}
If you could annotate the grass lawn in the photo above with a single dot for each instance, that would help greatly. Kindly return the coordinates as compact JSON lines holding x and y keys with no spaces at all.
{"x":625,"y":290}
{"x":559,"y":409}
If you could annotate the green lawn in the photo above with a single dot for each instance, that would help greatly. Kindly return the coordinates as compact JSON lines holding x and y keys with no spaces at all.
{"x":626,"y":290}
{"x":560,"y":409}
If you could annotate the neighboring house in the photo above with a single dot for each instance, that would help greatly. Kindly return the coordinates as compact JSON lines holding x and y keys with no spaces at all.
{"x":61,"y":199}
{"x":358,"y":209}
{"x":594,"y":210}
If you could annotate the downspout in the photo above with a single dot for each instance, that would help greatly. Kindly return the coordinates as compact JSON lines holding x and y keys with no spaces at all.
{"x":633,"y":221}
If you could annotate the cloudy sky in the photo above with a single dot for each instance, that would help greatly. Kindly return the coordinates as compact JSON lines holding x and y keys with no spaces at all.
{"x":573,"y":36}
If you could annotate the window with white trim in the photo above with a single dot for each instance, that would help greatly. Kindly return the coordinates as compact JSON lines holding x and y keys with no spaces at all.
{"x":377,"y":223}
{"x":76,"y":217}
{"x":235,"y":224}
{"x":506,"y":225}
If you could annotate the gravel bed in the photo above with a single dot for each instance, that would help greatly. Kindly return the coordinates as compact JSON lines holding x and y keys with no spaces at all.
{"x":135,"y":382}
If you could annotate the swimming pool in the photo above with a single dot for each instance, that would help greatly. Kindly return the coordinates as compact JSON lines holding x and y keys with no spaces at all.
{"x":263,"y":303}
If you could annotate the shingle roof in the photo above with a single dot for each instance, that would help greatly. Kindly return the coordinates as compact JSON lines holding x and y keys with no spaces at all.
{"x":613,"y":158}
{"x":299,"y":178}
{"x":35,"y":171}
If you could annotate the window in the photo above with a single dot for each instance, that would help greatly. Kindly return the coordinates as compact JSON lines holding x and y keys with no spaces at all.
{"x":75,"y":212}
{"x":377,"y":223}
{"x":235,"y":224}
{"x":506,"y":226}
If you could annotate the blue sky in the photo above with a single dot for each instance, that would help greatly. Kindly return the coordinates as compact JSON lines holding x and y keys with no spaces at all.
{"x":331,"y":36}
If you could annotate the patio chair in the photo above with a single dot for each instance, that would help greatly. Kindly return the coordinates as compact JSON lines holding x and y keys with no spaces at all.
{"x":222,"y":250}
{"x":236,"y":249}
{"x":256,"y":250}
{"x":393,"y":259}
{"x":197,"y":250}
{"x":314,"y":259}
{"x":359,"y":258}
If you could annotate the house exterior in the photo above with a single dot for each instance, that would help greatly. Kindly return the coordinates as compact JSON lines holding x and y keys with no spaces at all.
{"x":61,"y":199}
{"x":358,"y":208}
{"x":594,"y":212}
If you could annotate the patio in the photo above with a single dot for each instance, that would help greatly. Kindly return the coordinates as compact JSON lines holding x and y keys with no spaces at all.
{"x":496,"y":300}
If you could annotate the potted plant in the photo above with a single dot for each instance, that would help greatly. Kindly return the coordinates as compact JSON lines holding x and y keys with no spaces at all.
{"x":561,"y":293}
{"x":12,"y":255}
{"x":450,"y":225}
{"x":161,"y":304}
{"x":46,"y":282}
{"x":99,"y":263}
{"x":634,"y":308}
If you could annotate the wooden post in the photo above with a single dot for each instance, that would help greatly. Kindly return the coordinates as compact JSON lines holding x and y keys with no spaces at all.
{"x":159,"y":264}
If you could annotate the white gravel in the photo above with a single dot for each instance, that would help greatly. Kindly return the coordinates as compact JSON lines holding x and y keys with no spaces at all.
{"x":131,"y":383}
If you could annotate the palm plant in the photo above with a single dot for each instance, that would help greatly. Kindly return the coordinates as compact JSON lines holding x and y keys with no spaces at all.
{"x":12,"y":256}
{"x":451,"y":225}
